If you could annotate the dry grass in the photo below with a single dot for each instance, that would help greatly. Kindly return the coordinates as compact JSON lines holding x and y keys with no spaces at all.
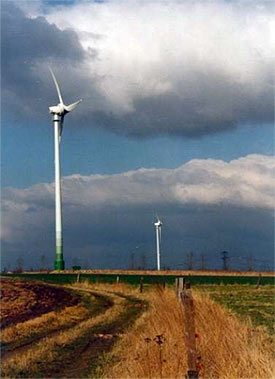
{"x":228,"y":348}
{"x":44,"y":324}
{"x":41,"y":355}
{"x":172,"y":272}
{"x":154,"y":347}
{"x":109,"y":288}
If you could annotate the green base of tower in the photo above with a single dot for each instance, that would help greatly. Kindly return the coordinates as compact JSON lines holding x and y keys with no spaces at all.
{"x":59,"y":265}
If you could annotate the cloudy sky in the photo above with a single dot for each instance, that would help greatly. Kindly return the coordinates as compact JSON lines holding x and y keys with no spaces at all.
{"x":177,"y":119}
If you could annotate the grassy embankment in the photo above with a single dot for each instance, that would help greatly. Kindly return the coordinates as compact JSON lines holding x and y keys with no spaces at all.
{"x":246,"y":301}
{"x":227,"y":347}
{"x":108,"y":345}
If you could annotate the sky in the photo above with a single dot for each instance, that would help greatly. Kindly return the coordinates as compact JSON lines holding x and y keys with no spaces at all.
{"x":177,"y":120}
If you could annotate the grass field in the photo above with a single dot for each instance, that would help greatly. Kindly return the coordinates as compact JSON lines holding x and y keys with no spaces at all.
{"x":114,"y":331}
{"x":150,"y":278}
{"x":247,"y":301}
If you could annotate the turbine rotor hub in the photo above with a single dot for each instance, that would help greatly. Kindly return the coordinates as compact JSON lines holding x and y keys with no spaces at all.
{"x":58,"y":109}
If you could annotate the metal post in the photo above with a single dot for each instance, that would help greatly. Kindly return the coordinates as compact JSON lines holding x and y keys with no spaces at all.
{"x":59,"y":262}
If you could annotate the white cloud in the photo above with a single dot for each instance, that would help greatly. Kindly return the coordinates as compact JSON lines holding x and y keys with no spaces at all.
{"x":243,"y":183}
{"x":206,"y":206}
{"x":144,"y":68}
{"x":207,"y":64}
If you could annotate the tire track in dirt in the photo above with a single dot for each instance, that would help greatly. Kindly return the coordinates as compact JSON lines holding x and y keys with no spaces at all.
{"x":103,"y":338}
{"x":22,"y":300}
{"x":9,"y":351}
{"x":77,"y":352}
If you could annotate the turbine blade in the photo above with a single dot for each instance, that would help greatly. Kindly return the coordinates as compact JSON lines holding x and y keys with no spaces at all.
{"x":160,"y":234}
{"x":57,"y":86}
{"x":72,"y":106}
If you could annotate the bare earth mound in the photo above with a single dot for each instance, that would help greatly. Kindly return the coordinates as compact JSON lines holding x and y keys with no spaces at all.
{"x":22,"y":300}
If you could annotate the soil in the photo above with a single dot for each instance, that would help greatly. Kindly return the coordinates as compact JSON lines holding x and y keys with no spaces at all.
{"x":101,"y":340}
{"x":22,"y":300}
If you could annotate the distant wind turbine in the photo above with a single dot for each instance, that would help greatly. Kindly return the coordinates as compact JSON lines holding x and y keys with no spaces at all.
{"x":158,"y":225}
{"x":59,"y":111}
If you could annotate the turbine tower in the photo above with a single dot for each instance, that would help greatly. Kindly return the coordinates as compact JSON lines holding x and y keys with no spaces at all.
{"x":158,"y":225}
{"x":59,"y":111}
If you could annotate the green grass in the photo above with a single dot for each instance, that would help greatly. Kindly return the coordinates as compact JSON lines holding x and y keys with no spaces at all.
{"x":147,"y":279}
{"x":247,"y":301}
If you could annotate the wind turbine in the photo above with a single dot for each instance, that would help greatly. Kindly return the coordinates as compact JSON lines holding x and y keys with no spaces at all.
{"x":158,"y":225}
{"x":59,"y":111}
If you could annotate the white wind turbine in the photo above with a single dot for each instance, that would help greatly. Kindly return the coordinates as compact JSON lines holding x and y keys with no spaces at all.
{"x":59,"y":111}
{"x":158,"y":225}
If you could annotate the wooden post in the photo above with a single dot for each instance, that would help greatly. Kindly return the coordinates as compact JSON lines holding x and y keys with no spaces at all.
{"x":177,"y":286}
{"x":258,"y":282}
{"x":189,"y":331}
{"x":192,"y":374}
{"x":141,"y":284}
{"x":180,"y":287}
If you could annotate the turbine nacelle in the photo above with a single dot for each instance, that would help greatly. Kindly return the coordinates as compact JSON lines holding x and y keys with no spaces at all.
{"x":58,"y":109}
{"x":61,"y":109}
{"x":158,"y":223}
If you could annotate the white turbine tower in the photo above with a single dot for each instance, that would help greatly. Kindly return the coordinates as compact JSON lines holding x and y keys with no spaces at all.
{"x":158,"y":225}
{"x":58,"y":112}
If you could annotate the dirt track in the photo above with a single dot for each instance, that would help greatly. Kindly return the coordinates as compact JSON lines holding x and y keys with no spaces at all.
{"x":101,"y":339}
{"x":22,"y":300}
{"x":83,"y":343}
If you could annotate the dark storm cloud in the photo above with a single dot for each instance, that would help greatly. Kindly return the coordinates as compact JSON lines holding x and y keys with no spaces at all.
{"x":191,"y":68}
{"x":206,"y":206}
{"x":173,"y":73}
{"x":172,"y":114}
{"x":28,"y":45}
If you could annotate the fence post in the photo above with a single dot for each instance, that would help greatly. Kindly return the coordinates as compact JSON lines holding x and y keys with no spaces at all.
{"x":189,"y":331}
{"x":141,"y":284}
{"x":180,"y":286}
{"x":117,"y":279}
{"x":78,"y":276}
{"x":258,"y":282}
{"x":177,"y":286}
